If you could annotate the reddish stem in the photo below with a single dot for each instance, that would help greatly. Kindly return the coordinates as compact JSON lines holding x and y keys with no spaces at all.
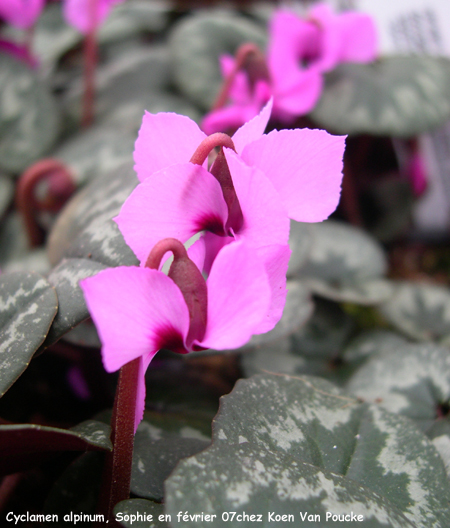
{"x":27,"y":202}
{"x":117,"y":468}
{"x":219,"y":139}
{"x":242,"y":56}
{"x":90,"y":65}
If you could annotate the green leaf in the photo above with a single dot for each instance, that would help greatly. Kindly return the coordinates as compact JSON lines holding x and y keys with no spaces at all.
{"x":196,"y":44}
{"x":85,"y":228}
{"x":311,"y":349}
{"x":28,"y":305}
{"x":72,"y":308}
{"x":345,"y":264}
{"x":412,"y":380}
{"x":300,"y":240}
{"x":421,"y":311}
{"x":395,"y":96}
{"x":158,"y":446}
{"x":139,"y":513}
{"x":95,"y":151}
{"x":290,"y":444}
{"x":28,"y":116}
{"x":128,"y":78}
{"x":23,"y":445}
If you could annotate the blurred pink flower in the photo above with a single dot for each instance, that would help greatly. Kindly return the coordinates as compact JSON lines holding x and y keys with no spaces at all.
{"x":21,"y":13}
{"x":301,"y":50}
{"x":155,"y":313}
{"x":85,"y":15}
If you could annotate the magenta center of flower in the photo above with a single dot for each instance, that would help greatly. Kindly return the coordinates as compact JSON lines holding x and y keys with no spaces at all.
{"x":191,"y":283}
{"x":221,"y":172}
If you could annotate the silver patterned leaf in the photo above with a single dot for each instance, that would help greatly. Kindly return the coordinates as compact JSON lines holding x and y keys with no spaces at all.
{"x":395,"y":96}
{"x":28,"y":305}
{"x":131,"y":76}
{"x":421,"y":311}
{"x":160,"y":442}
{"x":85,"y":228}
{"x":196,"y":44}
{"x":95,"y":151}
{"x":72,"y":309}
{"x":290,"y":444}
{"x":409,"y":379}
{"x":28,"y":116}
{"x":345,"y":264}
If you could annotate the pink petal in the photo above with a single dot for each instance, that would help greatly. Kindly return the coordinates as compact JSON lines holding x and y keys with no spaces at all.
{"x":21,"y":13}
{"x":177,"y":202}
{"x":292,"y":40}
{"x":301,"y":97}
{"x":358,"y":36}
{"x":239,"y":297}
{"x":265,"y":217}
{"x":79,"y":14}
{"x":165,"y":139}
{"x":140,"y":389}
{"x":136,"y":311}
{"x":275,"y":259}
{"x":330,"y":36}
{"x":223,"y":119}
{"x":253,"y":129}
{"x":304,"y":166}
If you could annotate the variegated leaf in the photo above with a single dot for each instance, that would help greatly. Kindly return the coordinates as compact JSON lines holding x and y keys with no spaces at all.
{"x":196,"y":44}
{"x":393,"y":96}
{"x":28,"y":116}
{"x":291,"y":444}
{"x":85,"y":228}
{"x":28,"y":305}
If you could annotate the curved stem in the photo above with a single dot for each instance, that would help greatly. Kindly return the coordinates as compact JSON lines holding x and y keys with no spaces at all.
{"x":26,"y":201}
{"x":161,"y":248}
{"x":218,"y":139}
{"x":242,"y":56}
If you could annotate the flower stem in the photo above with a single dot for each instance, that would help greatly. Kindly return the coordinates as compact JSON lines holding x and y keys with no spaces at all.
{"x":117,"y":469}
{"x":257,"y":68}
{"x":90,"y":64}
{"x":61,"y":186}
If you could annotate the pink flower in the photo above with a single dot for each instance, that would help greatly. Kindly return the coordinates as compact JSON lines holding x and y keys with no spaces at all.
{"x":301,"y":50}
{"x":21,"y":13}
{"x":155,"y":311}
{"x":85,"y":15}
{"x":285,"y":174}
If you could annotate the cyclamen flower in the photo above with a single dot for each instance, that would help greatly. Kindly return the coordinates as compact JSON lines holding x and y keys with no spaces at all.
{"x":21,"y":13}
{"x":300,"y":51}
{"x":86,"y":15}
{"x":180,"y":314}
{"x":288,"y":173}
